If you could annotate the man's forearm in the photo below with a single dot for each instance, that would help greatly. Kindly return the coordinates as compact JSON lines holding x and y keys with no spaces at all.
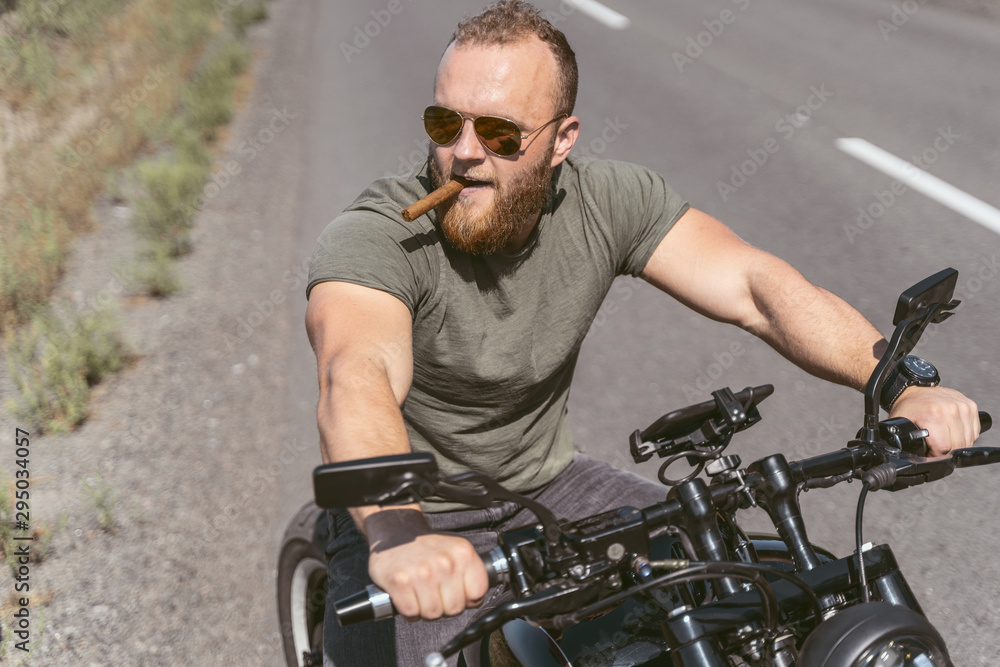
{"x":815,"y":329}
{"x":353,"y":400}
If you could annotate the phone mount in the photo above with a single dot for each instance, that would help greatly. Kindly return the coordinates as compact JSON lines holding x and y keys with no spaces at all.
{"x":927,"y":302}
{"x":700,"y":433}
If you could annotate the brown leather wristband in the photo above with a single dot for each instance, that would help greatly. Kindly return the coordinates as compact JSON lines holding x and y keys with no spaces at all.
{"x":392,"y":527}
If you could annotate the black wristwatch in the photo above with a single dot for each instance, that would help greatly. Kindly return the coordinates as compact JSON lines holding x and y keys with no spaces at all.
{"x":910,"y":371}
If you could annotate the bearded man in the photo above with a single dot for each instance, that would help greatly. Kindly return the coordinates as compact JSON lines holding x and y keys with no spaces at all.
{"x":458,"y":333}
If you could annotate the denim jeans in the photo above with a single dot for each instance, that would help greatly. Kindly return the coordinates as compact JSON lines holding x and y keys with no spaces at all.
{"x":586,"y":487}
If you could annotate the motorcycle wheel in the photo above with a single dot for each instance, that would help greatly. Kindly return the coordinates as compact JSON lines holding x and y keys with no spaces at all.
{"x":302,"y":584}
{"x":876,"y":634}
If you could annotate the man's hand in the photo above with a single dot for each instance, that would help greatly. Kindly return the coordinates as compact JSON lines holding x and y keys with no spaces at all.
{"x":428,"y":575}
{"x":951,"y":419}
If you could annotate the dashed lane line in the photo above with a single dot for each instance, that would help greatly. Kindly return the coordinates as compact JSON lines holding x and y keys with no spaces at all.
{"x":601,"y":13}
{"x":921,"y":181}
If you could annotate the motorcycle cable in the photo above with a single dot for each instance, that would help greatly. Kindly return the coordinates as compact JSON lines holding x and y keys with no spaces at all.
{"x":857,"y":530}
{"x":701,"y":571}
{"x":703,"y":456}
{"x":874,"y":479}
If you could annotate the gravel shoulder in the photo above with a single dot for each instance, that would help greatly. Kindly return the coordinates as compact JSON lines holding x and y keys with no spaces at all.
{"x":192,"y":437}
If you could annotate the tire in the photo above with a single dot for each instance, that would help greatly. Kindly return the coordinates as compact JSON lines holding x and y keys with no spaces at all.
{"x":302,"y":583}
{"x":859,"y":631}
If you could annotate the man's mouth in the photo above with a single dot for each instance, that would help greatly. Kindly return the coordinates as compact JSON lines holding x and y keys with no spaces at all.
{"x":476,"y":184}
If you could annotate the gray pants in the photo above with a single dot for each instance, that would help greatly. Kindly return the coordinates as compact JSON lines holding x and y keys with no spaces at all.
{"x":586,"y":487}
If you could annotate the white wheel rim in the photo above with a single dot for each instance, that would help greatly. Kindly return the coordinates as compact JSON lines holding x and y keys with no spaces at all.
{"x":299,"y":599}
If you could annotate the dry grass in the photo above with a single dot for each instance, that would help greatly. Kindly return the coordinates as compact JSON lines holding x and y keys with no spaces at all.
{"x":102,"y":97}
{"x":55,"y":361}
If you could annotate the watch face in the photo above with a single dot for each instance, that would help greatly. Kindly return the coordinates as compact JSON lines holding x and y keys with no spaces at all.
{"x":920,"y":368}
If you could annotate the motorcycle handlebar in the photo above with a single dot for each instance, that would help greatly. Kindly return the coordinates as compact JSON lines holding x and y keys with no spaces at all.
{"x":373,"y":604}
{"x":824,"y":465}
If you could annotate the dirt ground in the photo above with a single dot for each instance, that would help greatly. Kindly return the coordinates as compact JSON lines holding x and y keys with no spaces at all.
{"x":192,"y":437}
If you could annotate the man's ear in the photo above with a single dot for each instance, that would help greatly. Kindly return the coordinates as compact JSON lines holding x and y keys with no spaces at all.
{"x":566,"y":135}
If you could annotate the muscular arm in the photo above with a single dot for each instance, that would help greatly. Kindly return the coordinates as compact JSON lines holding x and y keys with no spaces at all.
{"x":364,"y":360}
{"x":707,"y":267}
{"x":362,"y":340}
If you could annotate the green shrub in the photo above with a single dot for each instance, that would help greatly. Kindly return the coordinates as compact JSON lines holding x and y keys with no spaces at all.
{"x":155,"y":272}
{"x":30,"y":260}
{"x":26,"y":66}
{"x":164,"y":214}
{"x":54,"y":361}
{"x":42,"y":534}
{"x":208,"y":99}
{"x":102,"y":497}
{"x":75,"y":19}
{"x":245,"y":14}
{"x":187,"y":26}
{"x":6,"y":518}
{"x":188,"y":144}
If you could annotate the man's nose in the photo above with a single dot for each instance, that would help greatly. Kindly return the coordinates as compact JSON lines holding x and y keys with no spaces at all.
{"x":469,"y":147}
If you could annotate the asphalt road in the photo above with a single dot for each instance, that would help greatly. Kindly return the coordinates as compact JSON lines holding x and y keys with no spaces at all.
{"x":739,"y":103}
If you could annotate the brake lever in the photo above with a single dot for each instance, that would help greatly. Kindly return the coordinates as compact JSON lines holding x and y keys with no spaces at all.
{"x":560,"y":598}
{"x":913,"y":470}
{"x":968,"y":457}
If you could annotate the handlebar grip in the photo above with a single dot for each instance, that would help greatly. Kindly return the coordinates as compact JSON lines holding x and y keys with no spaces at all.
{"x":373,"y":604}
{"x":985,"y":421}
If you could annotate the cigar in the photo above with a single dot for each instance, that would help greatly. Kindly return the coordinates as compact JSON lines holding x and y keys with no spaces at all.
{"x":439,"y":196}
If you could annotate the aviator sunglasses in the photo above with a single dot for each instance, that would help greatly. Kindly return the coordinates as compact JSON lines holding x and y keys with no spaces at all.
{"x":497,"y":135}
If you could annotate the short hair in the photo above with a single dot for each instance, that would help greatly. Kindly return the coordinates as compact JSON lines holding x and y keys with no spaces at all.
{"x":514,"y":21}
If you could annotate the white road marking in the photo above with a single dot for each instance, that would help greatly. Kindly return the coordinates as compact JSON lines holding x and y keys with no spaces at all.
{"x":921,"y":181}
{"x":599,"y":12}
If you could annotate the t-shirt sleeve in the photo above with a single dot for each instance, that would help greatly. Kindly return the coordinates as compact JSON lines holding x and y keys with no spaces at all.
{"x":365,"y":248}
{"x":637,"y":205}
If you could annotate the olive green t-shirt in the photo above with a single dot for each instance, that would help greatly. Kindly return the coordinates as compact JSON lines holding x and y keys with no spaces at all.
{"x":496,"y":338}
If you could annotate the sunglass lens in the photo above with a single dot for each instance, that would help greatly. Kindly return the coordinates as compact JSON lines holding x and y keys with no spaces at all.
{"x":442,"y":125}
{"x":498,"y":135}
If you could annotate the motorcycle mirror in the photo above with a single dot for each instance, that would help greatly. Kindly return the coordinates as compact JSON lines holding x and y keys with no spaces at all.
{"x":937,"y":288}
{"x":381,"y":480}
{"x":929,"y":301}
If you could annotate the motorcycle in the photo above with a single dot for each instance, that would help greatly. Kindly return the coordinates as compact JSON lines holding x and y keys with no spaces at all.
{"x":679,"y":582}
